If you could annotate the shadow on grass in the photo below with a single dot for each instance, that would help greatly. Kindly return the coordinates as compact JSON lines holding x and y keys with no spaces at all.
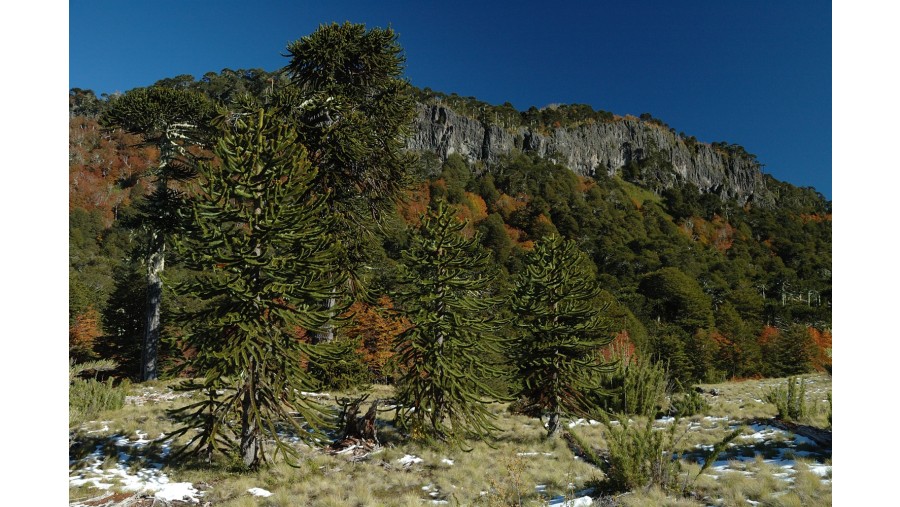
{"x":771,"y":442}
{"x":104,"y":451}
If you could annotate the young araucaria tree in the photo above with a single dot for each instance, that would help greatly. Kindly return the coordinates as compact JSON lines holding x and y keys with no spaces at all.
{"x":258,"y":237}
{"x":447,"y":379}
{"x":561,"y":330}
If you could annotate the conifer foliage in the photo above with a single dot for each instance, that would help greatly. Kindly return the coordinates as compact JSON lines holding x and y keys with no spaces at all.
{"x":561,"y":330}
{"x":352,"y":110}
{"x":258,"y":240}
{"x":446,"y":380}
{"x":173,"y":121}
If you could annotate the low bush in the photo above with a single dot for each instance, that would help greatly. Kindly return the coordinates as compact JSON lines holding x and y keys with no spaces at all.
{"x":790,"y":400}
{"x":639,"y":385}
{"x":688,"y":403}
{"x":640,"y":457}
{"x":344,"y":369}
{"x":91,"y":396}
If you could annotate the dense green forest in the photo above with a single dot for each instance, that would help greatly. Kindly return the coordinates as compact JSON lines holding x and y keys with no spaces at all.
{"x":712,"y":289}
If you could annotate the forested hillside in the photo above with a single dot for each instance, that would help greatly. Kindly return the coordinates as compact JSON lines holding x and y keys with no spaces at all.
{"x":713,"y":288}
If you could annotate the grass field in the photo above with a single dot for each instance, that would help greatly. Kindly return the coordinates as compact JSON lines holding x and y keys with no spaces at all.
{"x":118,"y":452}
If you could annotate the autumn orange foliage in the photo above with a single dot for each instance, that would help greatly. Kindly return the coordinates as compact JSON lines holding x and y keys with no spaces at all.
{"x":821,"y":360}
{"x":83,"y":333}
{"x":104,"y":167}
{"x":517,"y":235}
{"x":376,"y":327}
{"x":620,"y":347}
{"x":478,"y":207}
{"x":815,"y":217}
{"x":768,"y":334}
{"x":464,"y":215}
{"x":414,"y":204}
{"x":585,"y":184}
{"x":507,"y":205}
{"x":716,"y":232}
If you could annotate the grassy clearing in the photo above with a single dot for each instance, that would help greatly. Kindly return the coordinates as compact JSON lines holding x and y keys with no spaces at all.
{"x":747,"y":399}
{"x":520,"y":467}
{"x":637,"y":194}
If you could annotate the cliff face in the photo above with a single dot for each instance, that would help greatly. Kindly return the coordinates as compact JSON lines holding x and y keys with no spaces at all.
{"x":594,"y":147}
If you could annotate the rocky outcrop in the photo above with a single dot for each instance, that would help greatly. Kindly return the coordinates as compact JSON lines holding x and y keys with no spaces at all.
{"x":589,"y":148}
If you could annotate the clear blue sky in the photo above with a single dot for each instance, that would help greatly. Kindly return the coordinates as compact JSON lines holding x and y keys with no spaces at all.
{"x":753,"y":73}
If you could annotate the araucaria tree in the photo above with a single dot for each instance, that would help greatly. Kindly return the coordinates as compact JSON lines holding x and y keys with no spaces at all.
{"x":560,"y":331}
{"x":447,"y":378}
{"x":173,"y":121}
{"x":265,"y":258}
{"x":352,"y":110}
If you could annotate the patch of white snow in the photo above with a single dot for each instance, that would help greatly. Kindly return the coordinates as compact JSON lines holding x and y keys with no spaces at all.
{"x":259,"y":492}
{"x":409,"y":459}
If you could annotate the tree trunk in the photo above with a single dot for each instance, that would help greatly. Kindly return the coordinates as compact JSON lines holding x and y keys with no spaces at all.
{"x":150,"y":348}
{"x":249,"y":438}
{"x":326,"y":335}
{"x":553,"y":424}
{"x":553,"y":421}
{"x":354,"y":427}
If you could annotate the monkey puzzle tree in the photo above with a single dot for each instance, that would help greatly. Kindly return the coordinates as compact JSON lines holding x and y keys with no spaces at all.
{"x":560,"y":333}
{"x":172,"y":121}
{"x":352,"y":110}
{"x":446,"y":378}
{"x":257,"y":235}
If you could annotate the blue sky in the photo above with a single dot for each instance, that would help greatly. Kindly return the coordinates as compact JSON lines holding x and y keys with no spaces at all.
{"x":753,"y":73}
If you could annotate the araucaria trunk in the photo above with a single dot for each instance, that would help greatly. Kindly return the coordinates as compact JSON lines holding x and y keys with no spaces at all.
{"x":553,"y":424}
{"x":249,"y":434}
{"x":150,"y":347}
{"x":326,"y":335}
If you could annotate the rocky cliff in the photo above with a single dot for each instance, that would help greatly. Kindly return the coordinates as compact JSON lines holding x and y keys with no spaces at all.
{"x":592,"y":147}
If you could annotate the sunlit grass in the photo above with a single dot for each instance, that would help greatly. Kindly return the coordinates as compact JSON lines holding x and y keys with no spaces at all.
{"x":519,"y":466}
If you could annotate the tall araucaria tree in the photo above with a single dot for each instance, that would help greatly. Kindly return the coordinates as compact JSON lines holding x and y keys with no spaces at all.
{"x":352,"y":110}
{"x":447,"y":378}
{"x":257,"y":235}
{"x":173,"y":121}
{"x":561,"y":330}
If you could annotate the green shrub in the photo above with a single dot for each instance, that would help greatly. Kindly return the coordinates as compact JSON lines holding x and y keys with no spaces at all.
{"x":790,"y":401}
{"x":640,"y":385}
{"x":344,"y":369}
{"x":639,"y":456}
{"x":688,"y":403}
{"x":91,"y":396}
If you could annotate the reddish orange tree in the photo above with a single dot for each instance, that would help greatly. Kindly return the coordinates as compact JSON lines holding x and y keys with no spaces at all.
{"x":821,"y":359}
{"x":83,"y":334}
{"x":375,"y":327}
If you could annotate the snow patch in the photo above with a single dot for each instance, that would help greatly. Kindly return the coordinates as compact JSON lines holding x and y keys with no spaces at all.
{"x":89,"y":471}
{"x":820,"y":470}
{"x":259,"y":492}
{"x":582,"y":422}
{"x":409,"y":459}
{"x":582,"y":499}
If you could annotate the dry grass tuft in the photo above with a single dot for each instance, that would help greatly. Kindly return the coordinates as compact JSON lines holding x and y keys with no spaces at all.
{"x":520,"y":467}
